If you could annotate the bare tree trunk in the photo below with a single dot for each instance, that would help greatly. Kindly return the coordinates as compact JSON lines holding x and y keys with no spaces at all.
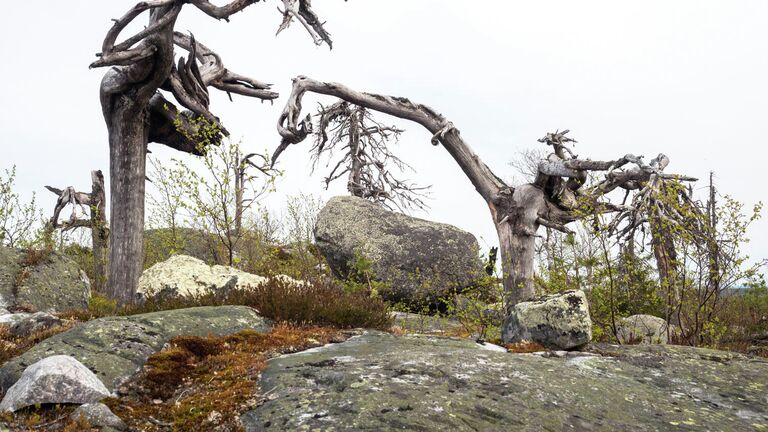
{"x":517,"y":252}
{"x":355,"y":171}
{"x":239,"y":193}
{"x":99,"y":231}
{"x":666,"y":264}
{"x":128,"y":136}
{"x":713,"y":249}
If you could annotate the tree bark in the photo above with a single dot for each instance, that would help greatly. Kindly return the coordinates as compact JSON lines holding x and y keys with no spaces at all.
{"x":516,"y":216}
{"x":666,"y":264}
{"x":355,"y":170}
{"x":99,"y":231}
{"x":128,"y":135}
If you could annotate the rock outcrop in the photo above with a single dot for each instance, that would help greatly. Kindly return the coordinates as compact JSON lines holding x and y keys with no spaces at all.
{"x":53,"y":380}
{"x":55,"y":283}
{"x":188,"y":276}
{"x":115,"y":347}
{"x":645,"y":329}
{"x":422,"y":261}
{"x":558,"y":321}
{"x":383,"y":382}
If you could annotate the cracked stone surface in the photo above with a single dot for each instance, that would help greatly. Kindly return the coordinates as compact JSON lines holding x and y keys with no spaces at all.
{"x":116,"y":347}
{"x":422,"y":383}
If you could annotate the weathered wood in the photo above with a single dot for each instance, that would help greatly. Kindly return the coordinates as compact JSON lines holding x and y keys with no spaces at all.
{"x":559,"y":194}
{"x":361,"y":145}
{"x":136,"y":113}
{"x":96,"y":203}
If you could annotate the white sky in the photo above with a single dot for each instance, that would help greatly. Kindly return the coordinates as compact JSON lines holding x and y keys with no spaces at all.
{"x":687,"y":78}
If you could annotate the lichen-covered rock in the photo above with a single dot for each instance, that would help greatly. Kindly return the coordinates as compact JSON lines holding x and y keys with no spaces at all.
{"x":99,"y":415}
{"x":645,"y":329}
{"x":115,"y":347}
{"x":9,"y":269}
{"x":56,"y":283}
{"x":422,"y":261}
{"x":32,"y":323}
{"x":188,"y":276}
{"x":421,"y":383}
{"x":53,"y":380}
{"x":558,"y":321}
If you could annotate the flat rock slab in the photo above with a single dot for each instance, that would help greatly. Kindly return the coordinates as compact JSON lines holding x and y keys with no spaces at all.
{"x":116,"y":347}
{"x":422,"y":383}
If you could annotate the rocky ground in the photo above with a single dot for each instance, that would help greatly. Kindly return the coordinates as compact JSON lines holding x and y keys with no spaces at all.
{"x":383,"y":382}
{"x":227,"y":368}
{"x":392,"y":380}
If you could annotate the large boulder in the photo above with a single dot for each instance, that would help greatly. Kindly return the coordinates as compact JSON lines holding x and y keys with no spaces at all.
{"x":558,"y":321}
{"x":379,"y":381}
{"x":54,"y":380}
{"x":184,"y":275}
{"x":52,"y":282}
{"x":421,"y":261}
{"x":116,"y":347}
{"x":643,"y":329}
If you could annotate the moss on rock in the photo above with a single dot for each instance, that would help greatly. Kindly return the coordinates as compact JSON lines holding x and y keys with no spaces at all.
{"x":116,"y":347}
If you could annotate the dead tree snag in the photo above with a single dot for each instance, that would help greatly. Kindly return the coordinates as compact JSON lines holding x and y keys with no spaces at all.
{"x":562,"y":191}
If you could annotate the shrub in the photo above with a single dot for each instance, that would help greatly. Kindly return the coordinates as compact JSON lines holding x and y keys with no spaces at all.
{"x":319,"y":302}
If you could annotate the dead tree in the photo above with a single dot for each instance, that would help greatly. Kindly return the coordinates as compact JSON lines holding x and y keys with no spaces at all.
{"x":137,"y":112}
{"x":96,"y":202}
{"x":366,"y":157}
{"x":560,"y":193}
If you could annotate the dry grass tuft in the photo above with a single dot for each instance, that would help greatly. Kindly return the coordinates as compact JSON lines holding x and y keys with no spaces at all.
{"x":524,"y":347}
{"x":12,"y":346}
{"x":207,"y":383}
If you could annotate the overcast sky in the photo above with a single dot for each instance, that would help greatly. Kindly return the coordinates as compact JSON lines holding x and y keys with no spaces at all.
{"x":687,"y":78}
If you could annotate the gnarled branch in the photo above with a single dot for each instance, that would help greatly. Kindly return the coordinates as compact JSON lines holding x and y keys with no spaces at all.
{"x":294,"y":129}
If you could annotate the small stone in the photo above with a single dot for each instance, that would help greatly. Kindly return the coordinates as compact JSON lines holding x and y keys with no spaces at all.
{"x":642,"y":329}
{"x":99,"y":415}
{"x":55,"y":379}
